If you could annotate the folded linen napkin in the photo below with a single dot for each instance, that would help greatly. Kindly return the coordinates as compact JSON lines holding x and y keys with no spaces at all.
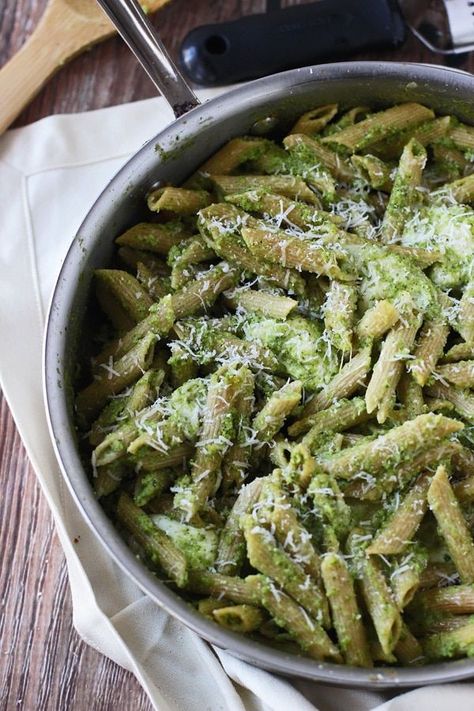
{"x":50,"y":174}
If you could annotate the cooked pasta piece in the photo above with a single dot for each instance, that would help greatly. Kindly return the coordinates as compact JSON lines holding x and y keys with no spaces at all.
{"x":380,"y":125}
{"x":121,"y":297}
{"x":405,"y":191}
{"x":314,"y":121}
{"x":399,"y":529}
{"x":345,"y":383}
{"x":154,"y":237}
{"x":350,"y":629}
{"x":158,"y":547}
{"x":380,"y":604}
{"x":294,"y":618}
{"x":216,"y":437}
{"x":178,"y":200}
{"x":260,"y":301}
{"x":266,"y":557}
{"x":287,"y":185}
{"x":465,"y":320}
{"x":380,"y":394}
{"x":377,"y":320}
{"x":392,"y":448}
{"x":374,"y":171}
{"x":115,"y":376}
{"x":317,"y":153}
{"x":453,"y":527}
{"x":293,"y":252}
{"x":462,"y":399}
{"x":339,"y":315}
{"x":430,"y":346}
{"x":337,"y":418}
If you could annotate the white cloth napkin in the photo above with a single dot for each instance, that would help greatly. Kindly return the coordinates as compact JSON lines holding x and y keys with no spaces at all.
{"x":50,"y":174}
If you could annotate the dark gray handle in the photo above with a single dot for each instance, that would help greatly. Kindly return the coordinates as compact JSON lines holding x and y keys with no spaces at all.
{"x":140,"y":35}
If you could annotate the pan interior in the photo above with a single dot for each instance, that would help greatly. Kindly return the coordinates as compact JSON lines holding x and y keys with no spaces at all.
{"x":171,"y":156}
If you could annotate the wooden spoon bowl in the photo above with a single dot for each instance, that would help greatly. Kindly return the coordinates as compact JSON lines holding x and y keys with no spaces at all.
{"x":66,"y":28}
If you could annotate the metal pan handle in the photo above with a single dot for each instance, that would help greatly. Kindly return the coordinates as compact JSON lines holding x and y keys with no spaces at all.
{"x":140,"y":35}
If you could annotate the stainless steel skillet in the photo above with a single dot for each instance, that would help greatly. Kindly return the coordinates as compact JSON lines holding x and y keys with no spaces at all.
{"x":171,"y":156}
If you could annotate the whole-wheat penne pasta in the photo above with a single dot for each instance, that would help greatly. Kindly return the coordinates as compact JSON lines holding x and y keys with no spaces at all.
{"x":461,"y":398}
{"x":335,"y":164}
{"x":215,"y":439}
{"x":221,"y":225}
{"x":351,"y":633}
{"x":425,"y":133}
{"x":379,"y":125}
{"x":408,"y":649}
{"x":184,"y":256}
{"x":314,"y":121}
{"x":236,"y":151}
{"x":239,"y":618}
{"x":115,"y":377}
{"x":282,"y":377}
{"x":178,"y":200}
{"x":429,"y":348}
{"x":445,"y":507}
{"x":460,"y":351}
{"x":344,"y":384}
{"x":154,"y":237}
{"x":340,"y":416}
{"x":339,"y":315}
{"x":410,"y":395}
{"x":461,"y":190}
{"x":377,"y":173}
{"x":120,"y":294}
{"x":286,"y":185}
{"x":405,"y":576}
{"x":294,"y":618}
{"x":455,"y":643}
{"x":460,"y":373}
{"x":377,"y":320}
{"x":404,"y":194}
{"x":157,"y":545}
{"x":293,"y":252}
{"x":231,"y":550}
{"x":380,"y":394}
{"x":452,"y":599}
{"x":406,"y":440}
{"x":272,"y":561}
{"x":380,"y":604}
{"x":396,"y":534}
{"x":462,"y":136}
{"x":281,"y":211}
{"x":262,"y":302}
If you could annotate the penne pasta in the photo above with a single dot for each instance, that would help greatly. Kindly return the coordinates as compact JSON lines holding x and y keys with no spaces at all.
{"x":277,"y":401}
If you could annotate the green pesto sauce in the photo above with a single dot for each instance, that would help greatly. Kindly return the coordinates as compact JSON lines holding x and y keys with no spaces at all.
{"x":450,"y":230}
{"x":187,"y":403}
{"x":387,"y":275}
{"x":198,"y":545}
{"x":299,"y":347}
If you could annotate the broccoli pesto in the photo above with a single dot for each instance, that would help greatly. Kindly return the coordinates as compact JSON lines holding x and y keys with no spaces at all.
{"x":299,"y":346}
{"x":391,"y":276}
{"x":449,"y":229}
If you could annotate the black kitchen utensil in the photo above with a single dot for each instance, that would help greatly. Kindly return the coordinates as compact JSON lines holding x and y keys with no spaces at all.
{"x":257,"y":45}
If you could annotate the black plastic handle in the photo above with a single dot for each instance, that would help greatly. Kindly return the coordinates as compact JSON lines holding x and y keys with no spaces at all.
{"x":257,"y":45}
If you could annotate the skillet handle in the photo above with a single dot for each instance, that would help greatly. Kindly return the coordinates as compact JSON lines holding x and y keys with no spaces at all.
{"x":140,"y":35}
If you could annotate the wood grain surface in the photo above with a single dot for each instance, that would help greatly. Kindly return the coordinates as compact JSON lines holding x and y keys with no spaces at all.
{"x":43,"y":663}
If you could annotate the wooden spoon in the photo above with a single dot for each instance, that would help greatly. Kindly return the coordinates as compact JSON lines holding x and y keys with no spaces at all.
{"x":66,"y":28}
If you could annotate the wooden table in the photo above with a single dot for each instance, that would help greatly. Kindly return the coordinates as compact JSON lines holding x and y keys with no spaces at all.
{"x":43,"y":663}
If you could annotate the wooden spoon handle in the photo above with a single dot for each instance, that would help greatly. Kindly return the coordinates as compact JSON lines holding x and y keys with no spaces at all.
{"x":57,"y":37}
